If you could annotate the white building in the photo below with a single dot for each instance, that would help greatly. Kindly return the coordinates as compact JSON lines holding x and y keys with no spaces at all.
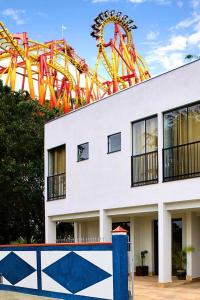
{"x":133,"y":157}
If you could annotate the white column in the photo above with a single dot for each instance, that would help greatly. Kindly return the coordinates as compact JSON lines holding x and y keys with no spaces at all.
{"x":189,"y":243}
{"x":50,"y":231}
{"x":160,"y":146}
{"x":105,"y":226}
{"x":164,"y":244}
{"x":132,"y":246}
{"x":76,"y":233}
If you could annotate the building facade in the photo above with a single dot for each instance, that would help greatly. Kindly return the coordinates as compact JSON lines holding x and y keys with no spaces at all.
{"x":132,"y":158}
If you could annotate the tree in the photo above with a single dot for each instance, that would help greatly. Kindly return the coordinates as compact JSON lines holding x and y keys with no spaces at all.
{"x":191,"y":57}
{"x":21,"y":166}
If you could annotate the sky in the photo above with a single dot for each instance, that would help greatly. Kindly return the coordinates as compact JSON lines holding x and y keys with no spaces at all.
{"x":167,"y":31}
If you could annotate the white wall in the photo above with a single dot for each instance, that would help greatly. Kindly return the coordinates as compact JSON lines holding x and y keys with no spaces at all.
{"x":143,"y":240}
{"x":88,"y":230}
{"x":104,"y":181}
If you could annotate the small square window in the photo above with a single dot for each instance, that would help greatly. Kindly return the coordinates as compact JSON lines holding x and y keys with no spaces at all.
{"x":114,"y":142}
{"x":83,"y":151}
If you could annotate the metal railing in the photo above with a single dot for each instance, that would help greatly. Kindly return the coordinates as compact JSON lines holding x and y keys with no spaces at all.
{"x":144,"y":168}
{"x":71,"y":239}
{"x":56,"y":187}
{"x":181,"y":162}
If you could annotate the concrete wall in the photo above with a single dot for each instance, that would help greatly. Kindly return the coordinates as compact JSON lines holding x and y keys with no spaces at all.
{"x":88,"y":231}
{"x":104,"y":180}
{"x":143,"y":240}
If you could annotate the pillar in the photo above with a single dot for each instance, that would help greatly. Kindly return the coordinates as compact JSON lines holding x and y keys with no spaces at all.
{"x":164,"y":244}
{"x":189,"y":243}
{"x":105,"y":226}
{"x":76,"y":232}
{"x":132,"y":240}
{"x":50,"y":231}
{"x":120,"y":264}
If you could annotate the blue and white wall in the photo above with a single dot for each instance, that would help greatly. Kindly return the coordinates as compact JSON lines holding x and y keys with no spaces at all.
{"x":73,"y":271}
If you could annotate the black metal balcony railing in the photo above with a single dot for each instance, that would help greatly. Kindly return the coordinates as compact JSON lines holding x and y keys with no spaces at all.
{"x":181,"y":162}
{"x":144,"y":168}
{"x":56,"y":187}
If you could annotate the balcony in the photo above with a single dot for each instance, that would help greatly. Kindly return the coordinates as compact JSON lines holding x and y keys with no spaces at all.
{"x":56,"y":187}
{"x":144,"y":168}
{"x":180,"y":162}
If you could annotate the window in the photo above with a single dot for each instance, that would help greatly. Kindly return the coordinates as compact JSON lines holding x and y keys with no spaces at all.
{"x":145,"y":151}
{"x":83,"y":151}
{"x":56,"y":179}
{"x":181,"y":153}
{"x":114,"y":142}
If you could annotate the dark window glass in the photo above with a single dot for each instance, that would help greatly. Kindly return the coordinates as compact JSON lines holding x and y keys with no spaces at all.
{"x":114,"y":142}
{"x":83,"y":151}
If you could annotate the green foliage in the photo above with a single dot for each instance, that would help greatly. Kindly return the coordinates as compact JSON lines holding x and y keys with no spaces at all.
{"x":21,"y":166}
{"x":143,"y":256}
{"x":191,"y":57}
{"x":180,"y":257}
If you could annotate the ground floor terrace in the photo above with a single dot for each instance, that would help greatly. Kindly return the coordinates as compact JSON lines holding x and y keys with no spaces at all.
{"x":145,"y":288}
{"x":162,"y":230}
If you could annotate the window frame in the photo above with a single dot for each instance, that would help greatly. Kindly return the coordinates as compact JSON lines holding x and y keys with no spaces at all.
{"x":79,"y":160}
{"x":175,"y":109}
{"x":137,"y":121}
{"x":63,"y":196}
{"x":52,"y":149}
{"x":108,"y":137}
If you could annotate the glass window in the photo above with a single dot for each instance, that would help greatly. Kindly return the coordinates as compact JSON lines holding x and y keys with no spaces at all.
{"x":145,"y":156}
{"x":57,"y":161}
{"x":182,"y":126}
{"x":194,"y":123}
{"x":83,"y":151}
{"x":145,"y":136}
{"x":56,"y":181}
{"x":114,"y":142}
{"x":151,"y":134}
{"x":139,"y":138}
{"x":175,"y":128}
{"x":181,"y":156}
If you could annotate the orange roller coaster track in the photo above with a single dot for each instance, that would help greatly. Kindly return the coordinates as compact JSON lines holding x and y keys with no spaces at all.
{"x":53,"y":71}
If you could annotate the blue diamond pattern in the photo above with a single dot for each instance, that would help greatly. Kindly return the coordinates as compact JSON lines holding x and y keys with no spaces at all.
{"x":14,"y":269}
{"x":75,"y":273}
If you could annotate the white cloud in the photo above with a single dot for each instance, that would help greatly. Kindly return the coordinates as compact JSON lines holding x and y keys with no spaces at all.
{"x":152,"y":35}
{"x":194,"y":38}
{"x":186,"y":23}
{"x":41,"y":14}
{"x":15,"y":14}
{"x":137,"y":1}
{"x":171,"y":54}
{"x":102,"y":1}
{"x":163,"y":2}
{"x":160,"y":2}
{"x":180,"y":4}
{"x":195,"y":3}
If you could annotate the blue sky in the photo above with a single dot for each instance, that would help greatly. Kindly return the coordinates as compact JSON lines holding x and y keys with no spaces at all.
{"x":167,"y":29}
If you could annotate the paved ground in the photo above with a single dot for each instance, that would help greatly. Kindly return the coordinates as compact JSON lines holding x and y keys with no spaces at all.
{"x":145,"y":289}
{"x":148,"y":289}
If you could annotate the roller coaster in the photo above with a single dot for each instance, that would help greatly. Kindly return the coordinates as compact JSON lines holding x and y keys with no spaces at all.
{"x":52,"y":71}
